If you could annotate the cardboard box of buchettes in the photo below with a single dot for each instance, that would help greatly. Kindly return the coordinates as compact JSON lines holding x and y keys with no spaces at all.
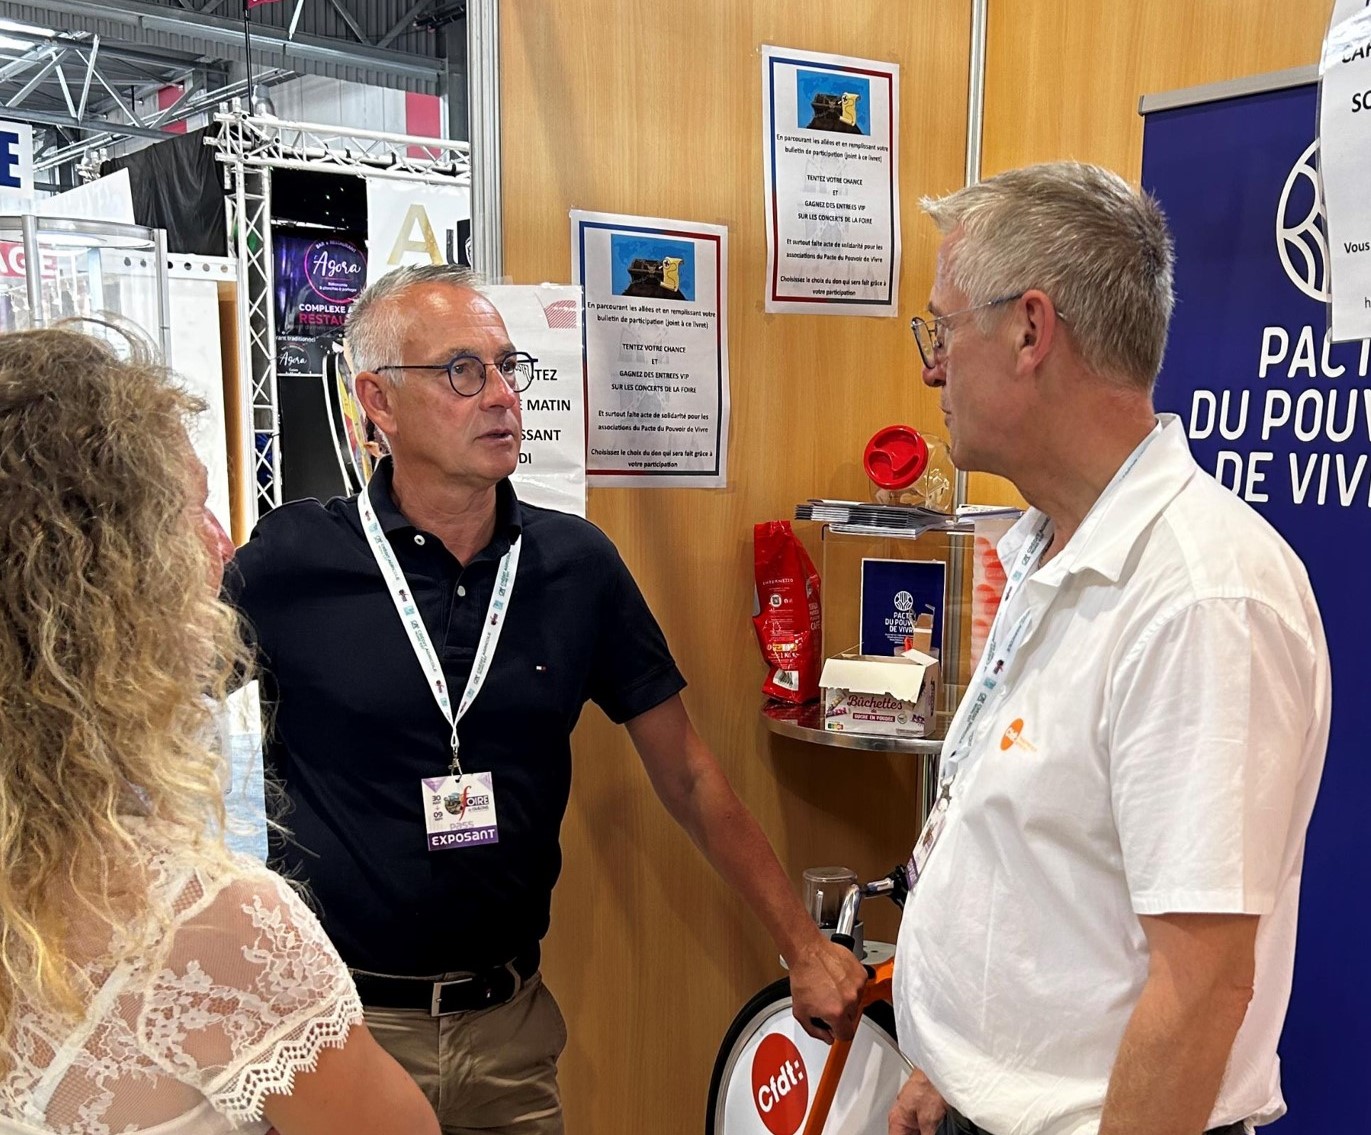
{"x":884,"y":697}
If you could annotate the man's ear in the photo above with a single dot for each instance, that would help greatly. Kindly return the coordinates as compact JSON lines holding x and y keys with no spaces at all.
{"x":374,"y":395}
{"x":1037,"y":327}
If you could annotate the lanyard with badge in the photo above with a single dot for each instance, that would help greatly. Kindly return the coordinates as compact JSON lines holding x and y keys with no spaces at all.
{"x":996,"y":661}
{"x":459,"y":808}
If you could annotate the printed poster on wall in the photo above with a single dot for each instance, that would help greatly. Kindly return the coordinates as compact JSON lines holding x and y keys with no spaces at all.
{"x":545,"y":321}
{"x":413,"y":222}
{"x":831,"y":166}
{"x":316,"y":281}
{"x":656,"y":350}
{"x":1345,"y":166}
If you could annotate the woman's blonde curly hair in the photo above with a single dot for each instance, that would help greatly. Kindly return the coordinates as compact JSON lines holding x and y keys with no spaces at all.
{"x":113,"y":652}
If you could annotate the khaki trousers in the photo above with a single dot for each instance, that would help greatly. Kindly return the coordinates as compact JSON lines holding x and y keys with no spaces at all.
{"x":488,"y":1072}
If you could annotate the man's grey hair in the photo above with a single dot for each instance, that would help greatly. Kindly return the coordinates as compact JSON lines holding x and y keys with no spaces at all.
{"x":1099,"y":248}
{"x":375,"y":325}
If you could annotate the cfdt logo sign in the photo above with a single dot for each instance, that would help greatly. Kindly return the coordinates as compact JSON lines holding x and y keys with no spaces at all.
{"x":1301,"y":227}
{"x":335,"y":270}
{"x":779,"y":1086}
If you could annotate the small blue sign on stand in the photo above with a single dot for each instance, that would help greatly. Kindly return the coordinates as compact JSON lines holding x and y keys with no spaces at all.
{"x":894,"y":594}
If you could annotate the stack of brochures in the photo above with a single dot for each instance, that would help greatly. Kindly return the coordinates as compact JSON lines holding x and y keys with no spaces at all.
{"x":861,"y":514}
{"x":892,"y":517}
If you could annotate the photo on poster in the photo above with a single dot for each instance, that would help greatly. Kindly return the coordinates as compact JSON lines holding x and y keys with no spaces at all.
{"x":652,"y":268}
{"x":833,"y":100}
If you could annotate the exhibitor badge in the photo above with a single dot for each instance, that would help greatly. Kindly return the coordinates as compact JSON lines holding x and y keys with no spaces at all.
{"x":459,"y":811}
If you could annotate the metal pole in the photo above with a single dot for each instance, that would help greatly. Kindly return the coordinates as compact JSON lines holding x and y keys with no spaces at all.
{"x":975,"y":129}
{"x":483,"y":99}
{"x":159,"y":251}
{"x":33,"y":270}
{"x":958,"y":545}
{"x":247,"y":49}
{"x":455,"y":80}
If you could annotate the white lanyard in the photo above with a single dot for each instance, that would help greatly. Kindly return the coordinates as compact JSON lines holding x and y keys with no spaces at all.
{"x":995,"y":662}
{"x":408,"y":610}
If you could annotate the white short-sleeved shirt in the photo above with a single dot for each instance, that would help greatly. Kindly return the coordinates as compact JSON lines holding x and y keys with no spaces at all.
{"x":1155,"y":747}
{"x":237,"y":990}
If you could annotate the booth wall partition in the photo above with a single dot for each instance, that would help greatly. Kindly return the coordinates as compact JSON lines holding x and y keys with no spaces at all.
{"x":656,"y":109}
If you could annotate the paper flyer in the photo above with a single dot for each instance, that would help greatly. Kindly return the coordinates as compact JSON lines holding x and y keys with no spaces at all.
{"x":655,"y":350}
{"x":544,"y":320}
{"x":1345,"y":167}
{"x":830,"y":130}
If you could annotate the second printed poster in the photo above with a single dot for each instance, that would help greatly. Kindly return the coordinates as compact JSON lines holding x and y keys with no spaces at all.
{"x":831,"y":160}
{"x":656,"y":350}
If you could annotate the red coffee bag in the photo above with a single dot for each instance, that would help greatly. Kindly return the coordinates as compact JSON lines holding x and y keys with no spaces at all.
{"x":786,"y":613}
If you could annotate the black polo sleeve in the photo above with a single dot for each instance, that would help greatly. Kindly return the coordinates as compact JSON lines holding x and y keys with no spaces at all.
{"x":632,"y":670}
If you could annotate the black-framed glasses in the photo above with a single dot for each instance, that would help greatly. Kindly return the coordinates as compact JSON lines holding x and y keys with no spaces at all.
{"x":466,"y":374}
{"x":930,"y":335}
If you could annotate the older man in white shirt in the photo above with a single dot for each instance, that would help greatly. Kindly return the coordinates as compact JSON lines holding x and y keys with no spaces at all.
{"x":1101,"y":934}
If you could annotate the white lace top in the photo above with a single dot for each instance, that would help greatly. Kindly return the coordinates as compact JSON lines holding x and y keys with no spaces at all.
{"x":238,"y":990}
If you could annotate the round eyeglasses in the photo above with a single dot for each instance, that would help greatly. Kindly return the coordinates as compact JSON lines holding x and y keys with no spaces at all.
{"x":466,"y":374}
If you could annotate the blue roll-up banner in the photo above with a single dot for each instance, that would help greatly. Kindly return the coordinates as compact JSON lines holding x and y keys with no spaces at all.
{"x":1283,"y":418}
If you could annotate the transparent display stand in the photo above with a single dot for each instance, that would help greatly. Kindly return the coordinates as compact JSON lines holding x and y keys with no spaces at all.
{"x":57,"y":268}
{"x":844,"y":549}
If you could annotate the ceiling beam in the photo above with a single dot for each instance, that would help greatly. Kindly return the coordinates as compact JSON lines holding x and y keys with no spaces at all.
{"x":353,"y":26}
{"x":404,"y":23}
{"x":139,"y":15}
{"x":47,"y":118}
{"x":36,"y":81}
{"x":90,"y":73}
{"x":106,"y":133}
{"x":122,"y":50}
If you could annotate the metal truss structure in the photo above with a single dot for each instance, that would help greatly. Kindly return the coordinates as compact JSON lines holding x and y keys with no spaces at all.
{"x":359,"y":40}
{"x":190,"y":103}
{"x":69,"y":83}
{"x":252,"y":147}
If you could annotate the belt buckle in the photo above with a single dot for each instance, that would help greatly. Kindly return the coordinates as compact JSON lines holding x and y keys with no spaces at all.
{"x":435,"y":1008}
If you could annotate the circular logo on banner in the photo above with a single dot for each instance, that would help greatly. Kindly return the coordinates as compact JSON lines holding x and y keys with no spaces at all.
{"x":1301,"y":239}
{"x":335,"y":270}
{"x":904,"y":601}
{"x":780,"y":1088}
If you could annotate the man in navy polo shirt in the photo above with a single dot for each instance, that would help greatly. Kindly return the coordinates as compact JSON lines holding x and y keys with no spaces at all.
{"x":426,"y":649}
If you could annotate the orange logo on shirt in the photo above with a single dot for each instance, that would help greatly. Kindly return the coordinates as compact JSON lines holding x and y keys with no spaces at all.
{"x":1014,"y":736}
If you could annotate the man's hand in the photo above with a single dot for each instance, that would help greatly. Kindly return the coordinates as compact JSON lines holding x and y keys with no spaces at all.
{"x":826,"y":983}
{"x":918,"y":1108}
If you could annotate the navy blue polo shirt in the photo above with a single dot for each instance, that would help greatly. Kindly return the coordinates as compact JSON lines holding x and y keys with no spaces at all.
{"x":352,"y":726}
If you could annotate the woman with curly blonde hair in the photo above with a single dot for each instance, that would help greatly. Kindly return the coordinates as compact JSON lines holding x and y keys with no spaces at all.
{"x":150,"y":980}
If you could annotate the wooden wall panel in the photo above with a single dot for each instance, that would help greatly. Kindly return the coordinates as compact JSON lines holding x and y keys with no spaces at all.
{"x":655,"y":109}
{"x":1063,"y":77}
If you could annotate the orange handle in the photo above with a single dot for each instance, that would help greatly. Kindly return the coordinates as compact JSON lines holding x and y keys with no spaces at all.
{"x":828,"y":1086}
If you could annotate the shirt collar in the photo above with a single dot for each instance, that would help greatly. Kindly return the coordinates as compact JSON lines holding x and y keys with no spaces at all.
{"x":1123,"y":512}
{"x":509,"y":515}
